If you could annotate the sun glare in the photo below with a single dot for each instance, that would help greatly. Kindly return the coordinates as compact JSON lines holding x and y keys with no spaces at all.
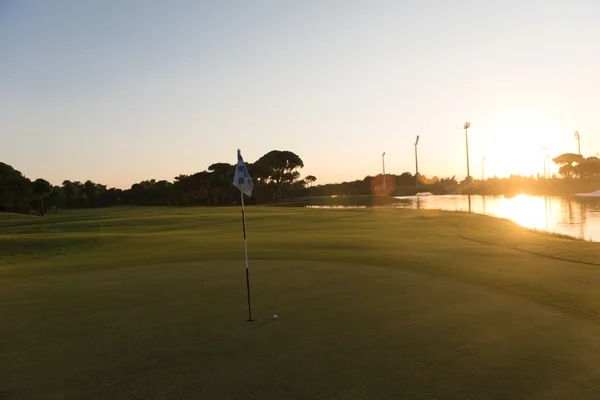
{"x":519,"y":144}
{"x":526,"y":211}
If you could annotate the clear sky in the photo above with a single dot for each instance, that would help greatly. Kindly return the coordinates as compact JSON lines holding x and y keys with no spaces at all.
{"x":118,"y":91}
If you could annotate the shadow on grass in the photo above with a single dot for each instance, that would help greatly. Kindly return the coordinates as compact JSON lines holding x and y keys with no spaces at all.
{"x":263,"y":324}
{"x":535,"y":253}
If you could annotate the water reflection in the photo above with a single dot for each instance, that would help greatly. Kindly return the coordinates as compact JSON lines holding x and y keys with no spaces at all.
{"x":554,"y":214}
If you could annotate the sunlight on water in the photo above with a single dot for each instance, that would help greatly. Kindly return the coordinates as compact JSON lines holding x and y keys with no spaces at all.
{"x":580,"y":219}
{"x":524,"y":210}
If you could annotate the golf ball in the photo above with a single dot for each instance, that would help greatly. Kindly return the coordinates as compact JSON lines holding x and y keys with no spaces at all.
{"x":274,"y":316}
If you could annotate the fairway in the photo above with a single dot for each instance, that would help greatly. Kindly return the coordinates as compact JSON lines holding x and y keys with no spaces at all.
{"x":150,"y":303}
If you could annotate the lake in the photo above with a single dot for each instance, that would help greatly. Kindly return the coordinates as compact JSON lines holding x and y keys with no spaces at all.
{"x":580,"y":219}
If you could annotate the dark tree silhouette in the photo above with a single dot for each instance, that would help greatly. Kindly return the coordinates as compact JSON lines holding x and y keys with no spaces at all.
{"x":41,"y":189}
{"x":260,"y":174}
{"x":568,"y":164}
{"x":16,"y":191}
{"x":283,"y":165}
{"x":589,"y":167}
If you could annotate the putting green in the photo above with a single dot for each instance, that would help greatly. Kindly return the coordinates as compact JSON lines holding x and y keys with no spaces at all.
{"x":178,"y":331}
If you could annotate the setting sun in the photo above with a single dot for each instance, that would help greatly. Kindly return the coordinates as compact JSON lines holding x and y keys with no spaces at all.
{"x":514,"y":143}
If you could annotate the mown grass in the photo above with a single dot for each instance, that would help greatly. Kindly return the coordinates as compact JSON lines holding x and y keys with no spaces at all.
{"x":345,"y":201}
{"x":373,"y":303}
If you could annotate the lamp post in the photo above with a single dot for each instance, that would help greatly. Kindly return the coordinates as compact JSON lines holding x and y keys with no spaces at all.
{"x":417,"y":163}
{"x":578,"y":138}
{"x":383,"y":162}
{"x":466,"y":127}
{"x":483,"y":168}
{"x":544,"y":149}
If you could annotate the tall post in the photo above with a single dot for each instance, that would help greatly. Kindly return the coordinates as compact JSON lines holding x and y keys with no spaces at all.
{"x":578,"y":138}
{"x":417,"y":164}
{"x":483,"y":169}
{"x":544,"y":148}
{"x":383,"y":162}
{"x":246,"y":254}
{"x":483,"y":181}
{"x":467,"y":126}
{"x":545,"y":175}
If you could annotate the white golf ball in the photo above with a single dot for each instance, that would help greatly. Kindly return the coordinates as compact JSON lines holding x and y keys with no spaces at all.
{"x":274,"y":316}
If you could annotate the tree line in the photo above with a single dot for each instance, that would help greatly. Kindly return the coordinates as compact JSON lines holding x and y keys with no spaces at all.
{"x":577,"y":166}
{"x":276,"y":179}
{"x":577,"y":174}
{"x":275,"y":175}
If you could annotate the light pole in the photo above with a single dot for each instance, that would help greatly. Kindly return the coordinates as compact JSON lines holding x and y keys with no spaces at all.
{"x":466,"y":127}
{"x":383,"y":162}
{"x":544,"y":149}
{"x":483,"y":181}
{"x":483,"y":168}
{"x":578,"y":138}
{"x":417,"y":162}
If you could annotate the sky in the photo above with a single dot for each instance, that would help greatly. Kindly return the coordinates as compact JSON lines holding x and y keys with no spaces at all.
{"x":119,"y":91}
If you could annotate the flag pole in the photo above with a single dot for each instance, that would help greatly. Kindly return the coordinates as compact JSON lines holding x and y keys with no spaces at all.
{"x":246,"y":254}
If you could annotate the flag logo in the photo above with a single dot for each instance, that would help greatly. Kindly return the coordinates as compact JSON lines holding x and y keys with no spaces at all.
{"x":241,"y":179}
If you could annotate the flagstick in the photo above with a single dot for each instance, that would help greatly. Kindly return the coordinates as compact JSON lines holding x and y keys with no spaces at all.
{"x":246,"y":253}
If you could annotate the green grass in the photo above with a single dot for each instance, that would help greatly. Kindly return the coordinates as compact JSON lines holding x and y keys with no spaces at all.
{"x":150,"y":303}
{"x":345,"y":201}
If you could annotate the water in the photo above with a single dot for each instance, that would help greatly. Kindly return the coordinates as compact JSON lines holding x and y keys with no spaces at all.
{"x":580,"y":219}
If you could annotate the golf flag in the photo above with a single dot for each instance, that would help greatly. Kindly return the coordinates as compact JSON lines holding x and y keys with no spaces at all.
{"x":241,"y":179}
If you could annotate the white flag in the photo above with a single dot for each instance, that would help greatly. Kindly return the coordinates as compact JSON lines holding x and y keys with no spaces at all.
{"x":241,"y":179}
